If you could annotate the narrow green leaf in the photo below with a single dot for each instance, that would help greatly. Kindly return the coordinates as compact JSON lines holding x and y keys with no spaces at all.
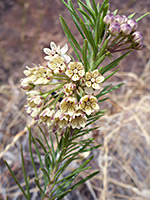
{"x":44,"y":137}
{"x":46,"y":174}
{"x":110,"y":75}
{"x":103,"y":49}
{"x":41,"y":144}
{"x":88,"y":9}
{"x":24,"y":174}
{"x":104,"y":99}
{"x":38,"y":185}
{"x":138,"y":19}
{"x":131,"y":16}
{"x":16,"y":181}
{"x":31,"y":155}
{"x":95,"y":7}
{"x":84,"y":180}
{"x":115,"y":12}
{"x":98,"y":62}
{"x":60,"y":196}
{"x":87,"y":17}
{"x":84,"y":54}
{"x":113,"y":64}
{"x":88,"y":35}
{"x":88,"y":3}
{"x":110,"y":90}
{"x":68,"y":33}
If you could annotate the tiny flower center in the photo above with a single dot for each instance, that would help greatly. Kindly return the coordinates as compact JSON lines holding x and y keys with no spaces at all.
{"x":88,"y":103}
{"x":93,"y":80}
{"x":75,"y":71}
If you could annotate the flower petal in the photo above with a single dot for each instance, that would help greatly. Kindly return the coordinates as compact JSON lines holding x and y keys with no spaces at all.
{"x":88,"y":110}
{"x":64,"y":49}
{"x":47,"y":51}
{"x":53,"y":45}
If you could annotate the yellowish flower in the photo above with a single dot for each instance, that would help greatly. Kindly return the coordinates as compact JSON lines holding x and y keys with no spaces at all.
{"x":57,"y":64}
{"x":46,"y":116}
{"x":75,"y":71}
{"x":36,"y":76}
{"x":69,"y":88}
{"x":56,"y":50}
{"x":61,"y":122}
{"x":69,"y":105}
{"x":78,"y":120}
{"x":88,"y":104}
{"x":34,"y":105}
{"x":93,"y":80}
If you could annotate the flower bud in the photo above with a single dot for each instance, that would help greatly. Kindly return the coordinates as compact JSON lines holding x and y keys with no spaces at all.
{"x":109,"y":18}
{"x":119,"y":19}
{"x":138,"y":46}
{"x":126,"y":29}
{"x":125,"y":18}
{"x":133,"y":24}
{"x":114,"y":28}
{"x":137,"y":37}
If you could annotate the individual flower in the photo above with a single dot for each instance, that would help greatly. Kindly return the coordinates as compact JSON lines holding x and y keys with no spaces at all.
{"x":69,"y":88}
{"x":108,"y":19}
{"x":56,"y":50}
{"x":35,"y":76}
{"x":46,"y":116}
{"x":69,"y":105}
{"x":78,"y":120}
{"x":32,"y":93}
{"x":93,"y":79}
{"x":60,"y":123}
{"x":75,"y":71}
{"x":126,"y":29}
{"x":114,"y":28}
{"x":57,"y":64}
{"x":137,"y":37}
{"x":88,"y":104}
{"x":120,"y":19}
{"x":34,"y":105}
{"x":133,"y":24}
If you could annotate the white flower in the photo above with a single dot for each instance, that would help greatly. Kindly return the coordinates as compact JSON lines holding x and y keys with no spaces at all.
{"x":56,"y":50}
{"x":78,"y":120}
{"x":57,"y":64}
{"x":75,"y":71}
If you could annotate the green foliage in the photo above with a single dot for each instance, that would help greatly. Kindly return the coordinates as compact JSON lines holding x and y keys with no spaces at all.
{"x":70,"y":146}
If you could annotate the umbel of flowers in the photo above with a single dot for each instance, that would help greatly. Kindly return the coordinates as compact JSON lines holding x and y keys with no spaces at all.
{"x":62,"y":94}
{"x":122,"y":32}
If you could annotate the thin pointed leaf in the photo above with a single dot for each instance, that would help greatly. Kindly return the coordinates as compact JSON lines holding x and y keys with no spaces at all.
{"x":31,"y":155}
{"x":88,"y":35}
{"x":110,"y":75}
{"x":84,"y":55}
{"x":41,"y":144}
{"x":138,"y":19}
{"x":98,"y":62}
{"x":16,"y":180}
{"x":87,"y":17}
{"x":84,"y":180}
{"x":44,"y":137}
{"x":24,"y":174}
{"x":110,"y":90}
{"x":88,"y":9}
{"x":95,"y":7}
{"x":69,"y":34}
{"x":38,"y":185}
{"x":46,"y":174}
{"x":132,"y":15}
{"x":113,"y":64}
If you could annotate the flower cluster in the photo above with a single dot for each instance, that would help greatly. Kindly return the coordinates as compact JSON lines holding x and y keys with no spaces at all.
{"x":68,"y":96}
{"x":124,"y":30}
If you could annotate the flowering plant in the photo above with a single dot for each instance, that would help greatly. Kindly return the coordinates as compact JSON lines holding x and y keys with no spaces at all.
{"x":66,"y":94}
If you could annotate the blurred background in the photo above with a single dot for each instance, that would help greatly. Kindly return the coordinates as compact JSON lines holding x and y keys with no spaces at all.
{"x":26,"y":27}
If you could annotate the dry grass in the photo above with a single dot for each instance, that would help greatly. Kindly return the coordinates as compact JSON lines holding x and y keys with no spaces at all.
{"x":123,"y":159}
